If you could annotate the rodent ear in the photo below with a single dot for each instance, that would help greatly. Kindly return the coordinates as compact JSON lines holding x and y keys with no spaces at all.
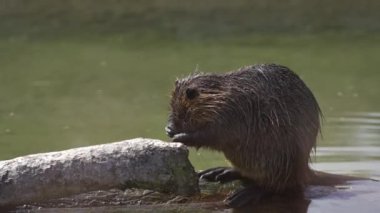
{"x":191,"y":93}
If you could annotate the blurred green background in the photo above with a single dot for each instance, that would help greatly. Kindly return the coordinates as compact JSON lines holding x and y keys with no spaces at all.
{"x":81,"y":72}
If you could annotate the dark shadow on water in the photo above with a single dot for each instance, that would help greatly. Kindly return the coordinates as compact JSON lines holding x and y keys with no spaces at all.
{"x":355,"y":196}
{"x":277,"y":205}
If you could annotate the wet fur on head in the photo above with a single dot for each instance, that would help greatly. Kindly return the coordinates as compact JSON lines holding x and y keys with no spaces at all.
{"x":196,"y":101}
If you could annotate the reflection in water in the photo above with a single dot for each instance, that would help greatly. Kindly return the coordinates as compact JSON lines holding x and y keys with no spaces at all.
{"x":277,"y":205}
{"x":354,"y":128}
{"x":355,"y":137}
{"x":361,"y":196}
{"x":357,"y":196}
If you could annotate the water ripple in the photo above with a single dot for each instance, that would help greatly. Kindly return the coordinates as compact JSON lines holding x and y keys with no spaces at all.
{"x":352,"y":129}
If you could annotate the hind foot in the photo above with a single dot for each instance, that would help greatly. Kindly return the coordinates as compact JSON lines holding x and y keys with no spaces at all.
{"x":248,"y":195}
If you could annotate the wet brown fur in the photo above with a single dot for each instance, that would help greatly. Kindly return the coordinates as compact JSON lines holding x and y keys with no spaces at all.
{"x":263,"y":118}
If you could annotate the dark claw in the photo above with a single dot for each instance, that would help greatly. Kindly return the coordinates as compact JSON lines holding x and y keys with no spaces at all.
{"x":220,"y":174}
{"x":245,"y":196}
{"x":210,"y":174}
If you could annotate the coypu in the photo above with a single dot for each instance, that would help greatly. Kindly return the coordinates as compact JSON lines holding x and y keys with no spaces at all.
{"x":262,"y":117}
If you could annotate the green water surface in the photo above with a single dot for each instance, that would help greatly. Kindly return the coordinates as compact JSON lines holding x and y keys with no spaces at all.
{"x":60,"y":92}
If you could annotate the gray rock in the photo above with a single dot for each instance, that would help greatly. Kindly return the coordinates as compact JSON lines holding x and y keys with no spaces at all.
{"x":140,"y":163}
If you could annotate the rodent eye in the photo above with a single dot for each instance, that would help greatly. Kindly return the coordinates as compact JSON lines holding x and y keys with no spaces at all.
{"x":191,"y":93}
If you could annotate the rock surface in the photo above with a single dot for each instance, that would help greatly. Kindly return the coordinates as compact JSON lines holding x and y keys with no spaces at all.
{"x":138,"y":163}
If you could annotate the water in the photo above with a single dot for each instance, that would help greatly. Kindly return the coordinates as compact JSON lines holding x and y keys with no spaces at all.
{"x":354,"y":144}
{"x":59,"y":92}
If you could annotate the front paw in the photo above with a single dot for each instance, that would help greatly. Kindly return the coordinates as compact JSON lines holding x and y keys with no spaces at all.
{"x":181,"y":137}
{"x":220,"y":174}
{"x":188,"y":139}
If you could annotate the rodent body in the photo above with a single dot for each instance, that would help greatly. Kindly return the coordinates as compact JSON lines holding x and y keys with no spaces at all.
{"x":262,"y":117}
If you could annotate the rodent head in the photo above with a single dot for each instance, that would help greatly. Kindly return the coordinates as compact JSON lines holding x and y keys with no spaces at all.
{"x":196,"y":103}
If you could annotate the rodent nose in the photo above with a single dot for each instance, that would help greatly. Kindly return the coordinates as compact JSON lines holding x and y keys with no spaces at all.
{"x":169,"y":130}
